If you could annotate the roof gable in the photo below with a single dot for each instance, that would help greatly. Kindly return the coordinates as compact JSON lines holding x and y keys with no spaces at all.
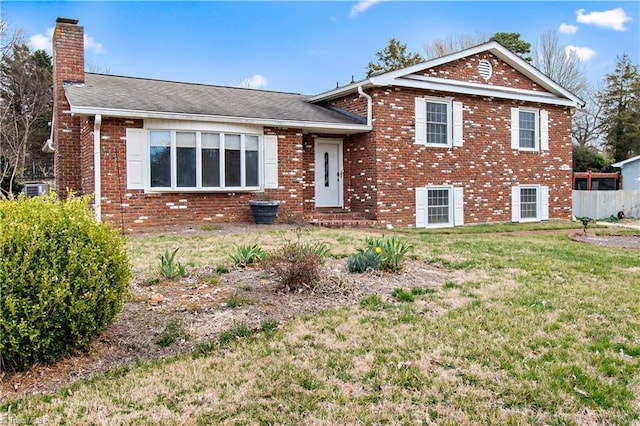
{"x":513,"y":77}
{"x":627,"y":161}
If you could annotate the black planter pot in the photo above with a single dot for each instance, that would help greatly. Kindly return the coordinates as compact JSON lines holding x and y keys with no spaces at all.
{"x":264,"y":212}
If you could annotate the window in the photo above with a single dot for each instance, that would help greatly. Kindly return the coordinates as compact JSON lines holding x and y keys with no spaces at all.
{"x":439,"y":206}
{"x":530,"y":203}
{"x":529,"y":129}
{"x":528,"y":132}
{"x":201,"y":160}
{"x":438,"y":122}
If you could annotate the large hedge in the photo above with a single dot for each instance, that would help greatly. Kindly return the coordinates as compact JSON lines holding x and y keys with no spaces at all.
{"x":63,"y":278}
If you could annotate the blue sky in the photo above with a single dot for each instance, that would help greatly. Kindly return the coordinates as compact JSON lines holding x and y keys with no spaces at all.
{"x":307,"y":47}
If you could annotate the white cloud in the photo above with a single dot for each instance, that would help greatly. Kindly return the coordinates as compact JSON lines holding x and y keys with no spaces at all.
{"x":254,"y":82}
{"x":583,"y":53}
{"x":613,"y":19}
{"x":568,"y":28}
{"x":361,"y":7}
{"x":43,"y":41}
{"x":90,"y":43}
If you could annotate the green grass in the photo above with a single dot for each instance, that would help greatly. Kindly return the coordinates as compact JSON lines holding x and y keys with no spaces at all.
{"x":525,"y":329}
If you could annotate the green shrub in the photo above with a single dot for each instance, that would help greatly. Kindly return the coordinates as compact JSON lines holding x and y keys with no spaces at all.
{"x":63,"y":278}
{"x":169,"y":267}
{"x":247,"y":255}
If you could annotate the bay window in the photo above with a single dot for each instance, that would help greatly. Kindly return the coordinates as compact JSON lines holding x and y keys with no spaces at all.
{"x":203,"y":160}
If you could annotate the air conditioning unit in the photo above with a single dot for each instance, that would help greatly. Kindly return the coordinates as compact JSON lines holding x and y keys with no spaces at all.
{"x":35,"y":189}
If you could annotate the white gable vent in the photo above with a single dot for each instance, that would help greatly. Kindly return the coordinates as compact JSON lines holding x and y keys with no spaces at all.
{"x":35,"y":189}
{"x":485,"y":69}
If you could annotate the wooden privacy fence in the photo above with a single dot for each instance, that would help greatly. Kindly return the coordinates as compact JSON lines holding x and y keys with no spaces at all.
{"x":602,"y":204}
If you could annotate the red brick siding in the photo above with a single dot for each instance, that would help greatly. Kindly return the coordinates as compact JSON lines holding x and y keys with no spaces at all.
{"x":87,"y":172}
{"x":466,"y":69}
{"x":135,"y":209}
{"x":68,"y":55}
{"x":486,"y":166}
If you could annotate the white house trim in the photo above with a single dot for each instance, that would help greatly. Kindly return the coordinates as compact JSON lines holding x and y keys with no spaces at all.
{"x":267,"y":122}
{"x":392,"y":78}
{"x":489,"y":91}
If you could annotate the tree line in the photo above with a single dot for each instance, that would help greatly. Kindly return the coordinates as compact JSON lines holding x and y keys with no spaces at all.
{"x":26,"y":107}
{"x":605,"y":131}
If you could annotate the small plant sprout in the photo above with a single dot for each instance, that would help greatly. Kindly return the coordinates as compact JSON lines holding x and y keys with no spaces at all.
{"x":169,"y":267}
{"x":248,"y":255}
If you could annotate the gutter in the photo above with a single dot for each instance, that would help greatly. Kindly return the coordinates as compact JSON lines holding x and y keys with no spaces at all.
{"x":369,"y":106}
{"x":96,"y":168}
{"x":268,"y":122}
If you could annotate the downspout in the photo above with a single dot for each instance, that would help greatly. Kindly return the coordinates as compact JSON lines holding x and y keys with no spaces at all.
{"x":369,"y":106}
{"x":48,"y":146}
{"x":96,"y":168}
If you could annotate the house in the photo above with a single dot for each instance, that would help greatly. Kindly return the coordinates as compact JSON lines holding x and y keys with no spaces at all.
{"x":630,"y":170}
{"x":473,"y":137}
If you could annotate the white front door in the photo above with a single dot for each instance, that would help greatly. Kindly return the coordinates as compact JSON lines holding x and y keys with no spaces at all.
{"x":328,"y":172}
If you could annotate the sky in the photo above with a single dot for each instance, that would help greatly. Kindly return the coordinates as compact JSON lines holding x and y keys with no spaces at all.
{"x":306,"y":46}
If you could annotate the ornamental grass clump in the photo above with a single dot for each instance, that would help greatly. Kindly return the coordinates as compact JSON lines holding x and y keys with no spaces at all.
{"x":384,"y":254}
{"x":63,"y":278}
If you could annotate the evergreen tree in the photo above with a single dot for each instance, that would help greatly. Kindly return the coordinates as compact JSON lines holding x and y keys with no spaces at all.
{"x":25,"y":110}
{"x":393,"y":57}
{"x":514,"y":43}
{"x":621,"y":110}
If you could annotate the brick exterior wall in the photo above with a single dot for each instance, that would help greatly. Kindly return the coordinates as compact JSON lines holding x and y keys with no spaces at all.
{"x":68,"y":55}
{"x":134,"y":210}
{"x":485,"y":166}
{"x":466,"y":69}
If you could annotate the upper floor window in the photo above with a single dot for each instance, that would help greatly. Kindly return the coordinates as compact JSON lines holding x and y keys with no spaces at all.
{"x":529,"y":129}
{"x":438,"y":122}
{"x":438,"y":125}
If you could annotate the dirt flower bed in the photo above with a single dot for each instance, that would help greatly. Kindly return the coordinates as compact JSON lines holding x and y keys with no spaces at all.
{"x":199,"y":308}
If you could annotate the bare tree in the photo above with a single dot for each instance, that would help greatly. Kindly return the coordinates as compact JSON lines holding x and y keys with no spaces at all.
{"x":562,"y":66}
{"x":441,"y":47}
{"x":587,"y":122}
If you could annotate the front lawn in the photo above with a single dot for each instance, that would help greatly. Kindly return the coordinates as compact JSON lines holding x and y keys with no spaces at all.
{"x":527,"y":328}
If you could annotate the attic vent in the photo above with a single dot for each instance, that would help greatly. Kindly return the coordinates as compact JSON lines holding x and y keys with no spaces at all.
{"x":485,"y":69}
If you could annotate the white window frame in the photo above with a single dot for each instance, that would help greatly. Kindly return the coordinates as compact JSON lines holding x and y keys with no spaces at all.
{"x":536,"y":129}
{"x":542,"y":203}
{"x":199,"y":188}
{"x":453,"y":124}
{"x":541,"y":129}
{"x":455,"y":204}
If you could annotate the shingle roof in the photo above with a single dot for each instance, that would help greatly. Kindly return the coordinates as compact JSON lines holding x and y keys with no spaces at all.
{"x":138,"y":94}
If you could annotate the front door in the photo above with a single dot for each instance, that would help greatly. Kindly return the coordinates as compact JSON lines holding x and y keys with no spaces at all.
{"x":328,"y":172}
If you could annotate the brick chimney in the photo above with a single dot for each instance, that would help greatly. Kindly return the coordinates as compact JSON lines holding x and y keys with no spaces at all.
{"x":68,"y":68}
